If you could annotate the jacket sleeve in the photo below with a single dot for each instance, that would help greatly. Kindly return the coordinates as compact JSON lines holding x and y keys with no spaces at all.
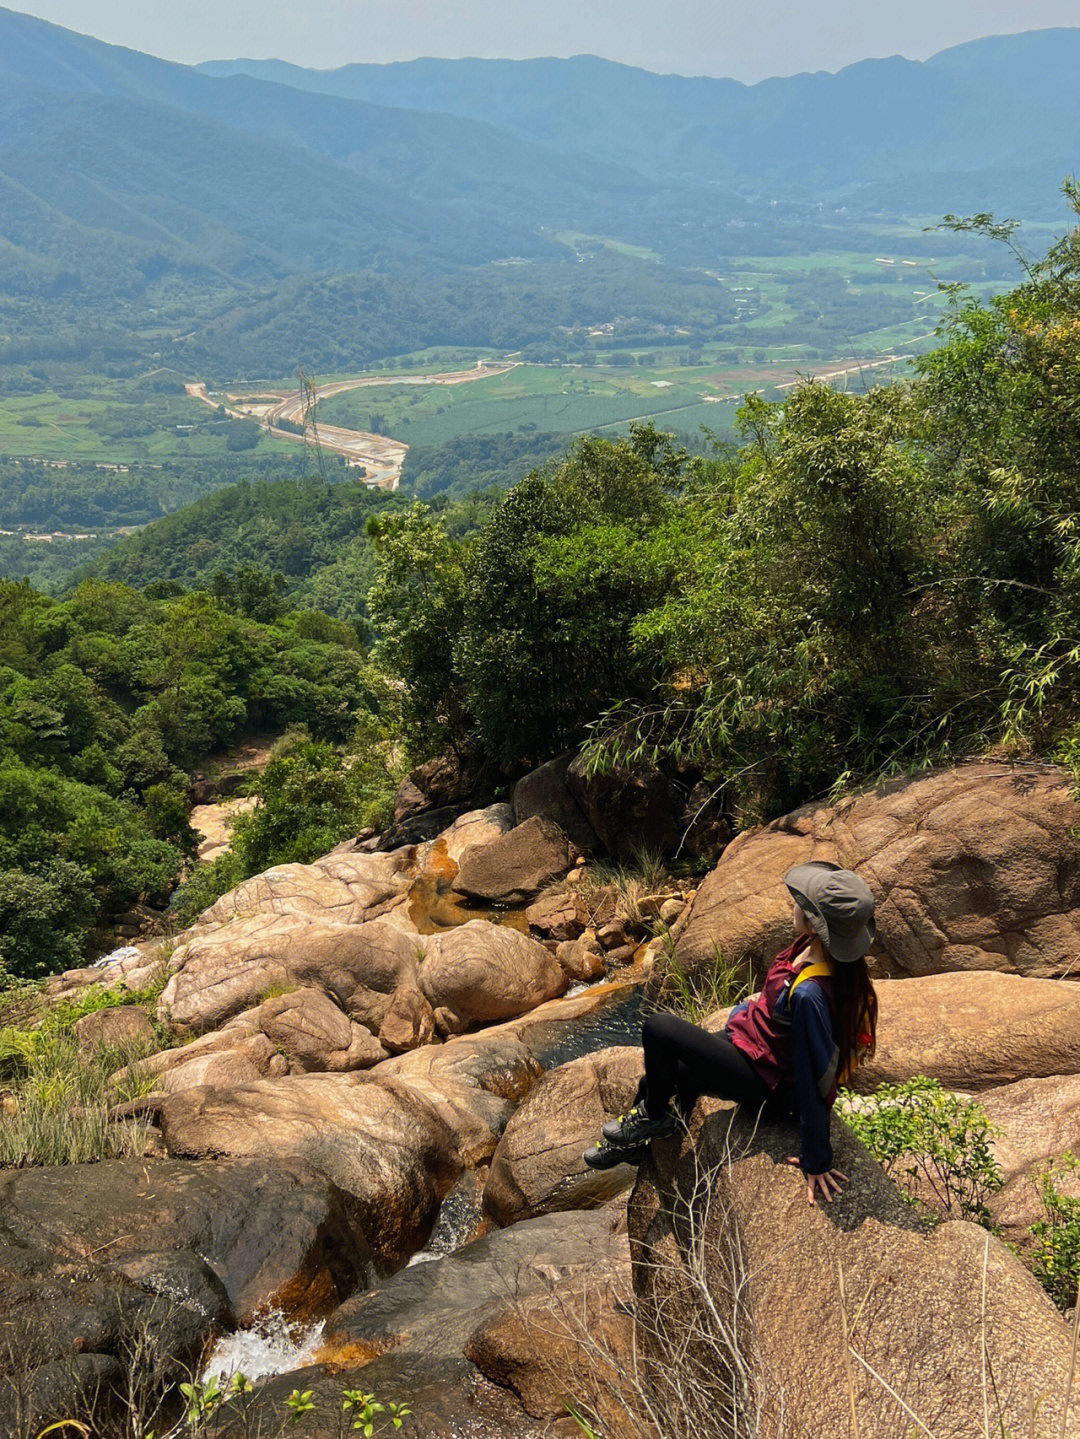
{"x":814,"y":1059}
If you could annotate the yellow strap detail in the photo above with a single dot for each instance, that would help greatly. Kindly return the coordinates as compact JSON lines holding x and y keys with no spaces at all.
{"x":812,"y":971}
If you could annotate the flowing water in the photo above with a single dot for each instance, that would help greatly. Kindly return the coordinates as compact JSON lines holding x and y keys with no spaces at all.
{"x":271,"y":1346}
{"x":617,"y":1022}
{"x":126,"y":951}
{"x":434,"y":906}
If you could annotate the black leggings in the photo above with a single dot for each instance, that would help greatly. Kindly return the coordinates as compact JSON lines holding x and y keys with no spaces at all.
{"x":684,"y":1062}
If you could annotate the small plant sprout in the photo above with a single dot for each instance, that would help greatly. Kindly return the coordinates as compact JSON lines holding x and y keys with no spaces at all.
{"x":366,"y":1409}
{"x":299,"y":1403}
{"x":202,"y":1400}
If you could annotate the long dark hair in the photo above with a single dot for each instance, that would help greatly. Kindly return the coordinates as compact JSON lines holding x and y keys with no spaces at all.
{"x":855,"y":1016}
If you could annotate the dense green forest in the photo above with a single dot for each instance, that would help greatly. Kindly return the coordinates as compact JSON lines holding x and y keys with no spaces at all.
{"x":107,"y":700}
{"x":75,"y":495}
{"x":869,"y":582}
{"x":311,"y":533}
{"x":474,"y":463}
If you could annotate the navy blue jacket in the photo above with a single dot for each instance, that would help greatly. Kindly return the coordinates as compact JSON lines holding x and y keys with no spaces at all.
{"x":787,"y":1034}
{"x":813,"y":1079}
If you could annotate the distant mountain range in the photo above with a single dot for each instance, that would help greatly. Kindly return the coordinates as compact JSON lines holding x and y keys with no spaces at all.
{"x":130,"y":181}
{"x":992,"y":109}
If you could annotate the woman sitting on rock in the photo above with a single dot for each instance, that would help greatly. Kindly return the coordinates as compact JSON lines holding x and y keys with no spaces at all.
{"x":786,"y":1049}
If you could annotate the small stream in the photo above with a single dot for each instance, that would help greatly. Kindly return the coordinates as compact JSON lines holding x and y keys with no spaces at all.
{"x":616,"y":1023}
{"x":435,"y":906}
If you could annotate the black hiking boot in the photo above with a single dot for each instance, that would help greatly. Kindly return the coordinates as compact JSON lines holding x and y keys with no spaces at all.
{"x":605,"y":1155}
{"x":637,"y":1126}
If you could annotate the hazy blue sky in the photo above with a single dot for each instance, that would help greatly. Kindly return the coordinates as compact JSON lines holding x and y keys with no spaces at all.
{"x":770,"y":37}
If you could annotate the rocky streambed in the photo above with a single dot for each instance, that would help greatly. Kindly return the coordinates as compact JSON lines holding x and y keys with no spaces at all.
{"x":388,"y":1065}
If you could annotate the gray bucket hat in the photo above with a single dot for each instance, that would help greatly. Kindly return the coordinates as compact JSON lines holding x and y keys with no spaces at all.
{"x":838,"y":904}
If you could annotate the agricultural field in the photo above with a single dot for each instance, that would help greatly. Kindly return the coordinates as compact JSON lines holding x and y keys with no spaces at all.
{"x":116,"y":422}
{"x":571,"y":399}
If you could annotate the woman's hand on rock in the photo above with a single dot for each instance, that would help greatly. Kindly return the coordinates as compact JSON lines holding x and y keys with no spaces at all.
{"x":828,"y":1184}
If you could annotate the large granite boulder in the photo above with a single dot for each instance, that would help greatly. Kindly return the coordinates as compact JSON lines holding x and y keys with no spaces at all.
{"x":537,"y":1167}
{"x":475,"y":827}
{"x":629,"y":809}
{"x":292,"y":1033}
{"x":237,"y":1054}
{"x":268,"y":1235}
{"x":446,"y":779}
{"x":481,"y":971}
{"x":974,"y":868}
{"x":395,"y":1139}
{"x":313,"y":1033}
{"x":517,"y":865}
{"x":561,"y":1348}
{"x":546,"y":792}
{"x":217,"y":972}
{"x":124,"y":1026}
{"x":813,"y":1319}
{"x":974,"y":1031}
{"x":1038,"y":1122}
{"x":107,"y":1269}
{"x":342,"y":888}
{"x":969,"y":1031}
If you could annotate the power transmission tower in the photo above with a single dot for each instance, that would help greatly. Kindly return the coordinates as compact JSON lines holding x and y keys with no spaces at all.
{"x":310,"y":397}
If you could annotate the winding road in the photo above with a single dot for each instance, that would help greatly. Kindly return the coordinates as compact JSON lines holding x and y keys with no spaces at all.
{"x":381,"y":457}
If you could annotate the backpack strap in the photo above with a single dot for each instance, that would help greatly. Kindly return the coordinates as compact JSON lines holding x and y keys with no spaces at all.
{"x":812,"y":971}
{"x":781,"y":1010}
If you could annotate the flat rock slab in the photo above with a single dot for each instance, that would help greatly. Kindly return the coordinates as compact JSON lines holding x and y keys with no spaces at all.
{"x":974,"y":1031}
{"x":974,"y":868}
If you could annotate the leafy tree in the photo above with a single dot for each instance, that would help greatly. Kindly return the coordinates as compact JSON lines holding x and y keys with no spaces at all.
{"x":416,"y":605}
{"x":43,"y":914}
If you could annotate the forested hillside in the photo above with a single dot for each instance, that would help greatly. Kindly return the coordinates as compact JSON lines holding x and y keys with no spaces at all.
{"x":108,"y":700}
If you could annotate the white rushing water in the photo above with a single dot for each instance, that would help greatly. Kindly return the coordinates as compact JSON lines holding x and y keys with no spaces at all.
{"x":126,"y":951}
{"x":272,"y":1346}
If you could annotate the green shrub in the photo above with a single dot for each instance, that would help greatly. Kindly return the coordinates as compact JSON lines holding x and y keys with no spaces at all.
{"x":29,"y":1023}
{"x":1056,"y":1257}
{"x":43,"y":915}
{"x":931,"y":1142}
